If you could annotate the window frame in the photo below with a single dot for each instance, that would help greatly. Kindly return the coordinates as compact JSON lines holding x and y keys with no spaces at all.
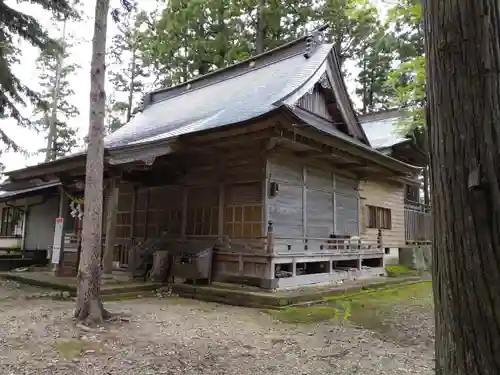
{"x":378,"y":217}
{"x":7,"y":226}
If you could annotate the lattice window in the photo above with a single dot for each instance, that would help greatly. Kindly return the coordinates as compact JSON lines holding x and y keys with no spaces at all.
{"x":243,"y":221}
{"x":202,"y":221}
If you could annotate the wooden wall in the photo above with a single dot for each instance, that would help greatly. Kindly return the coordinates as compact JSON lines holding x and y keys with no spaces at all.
{"x":387,"y":195}
{"x":314,"y":200}
{"x":223,"y":197}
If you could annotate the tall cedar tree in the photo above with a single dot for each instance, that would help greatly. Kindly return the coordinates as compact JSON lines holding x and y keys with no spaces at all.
{"x":193,"y":37}
{"x":127,"y":69}
{"x":408,"y":79}
{"x":14,"y":94}
{"x":350,"y":22}
{"x":463,"y":60}
{"x":271,"y":23}
{"x":375,"y":63}
{"x":47,"y":64}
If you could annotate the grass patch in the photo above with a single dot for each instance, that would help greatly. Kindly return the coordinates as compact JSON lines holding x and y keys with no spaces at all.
{"x":373,"y":311}
{"x":306,"y":315}
{"x":397,"y":270}
{"x":69,"y":349}
{"x":368,"y":308}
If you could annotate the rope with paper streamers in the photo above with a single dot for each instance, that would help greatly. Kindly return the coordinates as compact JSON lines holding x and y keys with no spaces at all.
{"x":74,"y":199}
{"x":77,"y":203}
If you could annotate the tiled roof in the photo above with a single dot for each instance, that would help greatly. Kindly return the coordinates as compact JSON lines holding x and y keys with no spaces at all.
{"x":244,"y":96}
{"x":382,"y":128}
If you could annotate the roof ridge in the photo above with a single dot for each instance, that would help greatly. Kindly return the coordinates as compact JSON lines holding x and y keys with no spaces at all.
{"x":307,"y":52}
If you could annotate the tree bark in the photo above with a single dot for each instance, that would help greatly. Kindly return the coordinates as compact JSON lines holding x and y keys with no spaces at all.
{"x":51,"y":153}
{"x":88,"y":305}
{"x":463,"y":60}
{"x":260,"y":28}
{"x":132,"y":83}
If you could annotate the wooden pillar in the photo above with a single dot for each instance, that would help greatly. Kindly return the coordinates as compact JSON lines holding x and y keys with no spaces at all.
{"x":270,"y":238}
{"x":222,"y":198}
{"x":132,"y":219}
{"x":184,"y":212}
{"x":132,"y":248}
{"x":25,"y":223}
{"x":304,"y":202}
{"x":146,"y":217}
{"x":58,"y":244}
{"x":112,"y":208}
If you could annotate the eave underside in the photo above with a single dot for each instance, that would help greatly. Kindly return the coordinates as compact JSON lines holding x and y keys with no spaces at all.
{"x":281,"y":130}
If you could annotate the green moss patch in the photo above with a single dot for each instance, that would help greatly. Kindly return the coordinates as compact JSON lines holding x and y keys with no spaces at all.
{"x":69,"y":349}
{"x":306,"y":315}
{"x":367,"y":308}
{"x":397,"y":270}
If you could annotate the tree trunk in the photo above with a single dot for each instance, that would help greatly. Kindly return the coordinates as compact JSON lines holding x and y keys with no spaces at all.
{"x":260,"y":28}
{"x":132,"y":83}
{"x":463,"y":60}
{"x":51,"y":152}
{"x":88,"y":306}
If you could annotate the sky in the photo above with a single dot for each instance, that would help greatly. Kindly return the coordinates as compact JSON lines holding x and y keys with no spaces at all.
{"x":81,"y":33}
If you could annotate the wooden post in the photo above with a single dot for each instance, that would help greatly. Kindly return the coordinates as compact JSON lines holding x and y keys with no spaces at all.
{"x":184,"y":212}
{"x":25,"y":223}
{"x":270,"y":238}
{"x":304,"y":202}
{"x":63,"y":206}
{"x":222,"y":191}
{"x":112,"y":208}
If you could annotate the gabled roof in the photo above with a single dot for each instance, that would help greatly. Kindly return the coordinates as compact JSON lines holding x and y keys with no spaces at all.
{"x":381,"y":128}
{"x":241,"y":92}
{"x":256,"y":88}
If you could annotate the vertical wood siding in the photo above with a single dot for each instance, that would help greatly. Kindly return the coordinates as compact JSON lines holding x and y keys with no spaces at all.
{"x":387,"y":195}
{"x":331,"y":202}
{"x":315,"y":103}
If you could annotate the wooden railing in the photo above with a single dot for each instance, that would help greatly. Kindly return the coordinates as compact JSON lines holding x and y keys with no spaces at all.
{"x":346,"y":246}
{"x":418,"y":225}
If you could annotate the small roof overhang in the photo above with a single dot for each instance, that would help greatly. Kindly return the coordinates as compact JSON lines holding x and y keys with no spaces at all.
{"x":6,"y":196}
{"x":53,"y":167}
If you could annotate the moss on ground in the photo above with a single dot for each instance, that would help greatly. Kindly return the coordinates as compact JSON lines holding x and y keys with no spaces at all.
{"x":305,"y":315}
{"x":69,"y":349}
{"x":397,"y":270}
{"x":366,"y":308}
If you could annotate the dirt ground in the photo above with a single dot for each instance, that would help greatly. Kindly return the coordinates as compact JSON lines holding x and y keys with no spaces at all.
{"x":177,"y":336}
